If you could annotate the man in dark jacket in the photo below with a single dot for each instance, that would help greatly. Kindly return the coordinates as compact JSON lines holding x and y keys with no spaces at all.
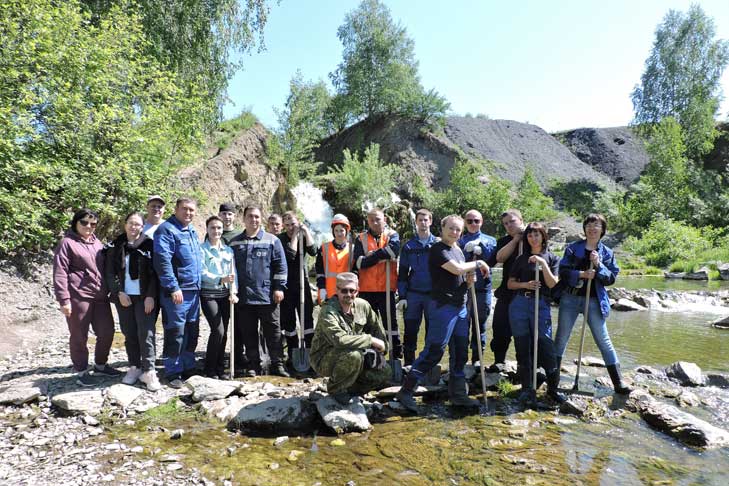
{"x":262,"y":272}
{"x":178,"y":263}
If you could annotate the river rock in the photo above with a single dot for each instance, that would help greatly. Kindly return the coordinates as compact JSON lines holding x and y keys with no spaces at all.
{"x":687,"y":399}
{"x":723,"y":271}
{"x":721,"y":323}
{"x":80,"y":402}
{"x":123,"y":395}
{"x":627,"y":305}
{"x":591,"y":361}
{"x":19,"y":394}
{"x":424,"y":391}
{"x":688,"y":429}
{"x":225,"y":408}
{"x":718,"y":380}
{"x":574,"y":405}
{"x":276,"y":414}
{"x":688,"y":374}
{"x":204,"y":388}
{"x":700,"y":274}
{"x":343,"y":419}
{"x":674,"y":274}
{"x":648,"y":370}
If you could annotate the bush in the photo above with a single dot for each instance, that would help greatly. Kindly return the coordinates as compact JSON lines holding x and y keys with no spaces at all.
{"x":531,"y":201}
{"x":666,"y":241}
{"x":580,"y":197}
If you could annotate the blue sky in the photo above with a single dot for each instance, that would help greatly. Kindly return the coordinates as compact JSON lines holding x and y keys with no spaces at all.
{"x":560,"y":65}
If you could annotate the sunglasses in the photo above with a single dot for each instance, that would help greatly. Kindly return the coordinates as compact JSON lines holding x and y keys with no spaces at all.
{"x":348,"y":291}
{"x":85,"y":222}
{"x":473,"y":221}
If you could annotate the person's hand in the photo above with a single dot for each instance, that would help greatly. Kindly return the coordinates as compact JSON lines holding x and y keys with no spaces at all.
{"x":538,"y":260}
{"x":322,"y":295}
{"x":587,"y":274}
{"x":233,"y":298}
{"x":148,"y":305}
{"x":124,"y":299}
{"x":484,"y":268}
{"x":402,"y":305}
{"x":378,"y":344}
{"x":227,"y":279}
{"x":595,"y":258}
{"x":532,"y":285}
{"x":177,"y":297}
{"x":471,"y":278}
{"x":278,"y":296}
{"x":65,"y":309}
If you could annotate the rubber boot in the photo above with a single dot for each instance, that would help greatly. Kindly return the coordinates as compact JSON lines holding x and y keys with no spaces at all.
{"x":618,"y":385}
{"x":553,"y":387}
{"x":528,"y":396}
{"x":409,"y":357}
{"x":405,"y":395}
{"x":458,"y":393}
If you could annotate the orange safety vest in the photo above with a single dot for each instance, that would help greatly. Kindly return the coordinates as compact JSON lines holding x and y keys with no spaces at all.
{"x":335,"y":262}
{"x":372,"y":279}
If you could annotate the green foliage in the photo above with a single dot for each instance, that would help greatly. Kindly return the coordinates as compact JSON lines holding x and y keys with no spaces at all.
{"x":87,"y":118}
{"x":378,"y":73}
{"x":682,"y":77}
{"x":580,"y":197}
{"x":201,"y":41}
{"x":531,"y":200}
{"x":302,"y":124}
{"x":505,"y":388}
{"x":229,"y":129}
{"x":360,"y":184}
{"x":666,"y":241}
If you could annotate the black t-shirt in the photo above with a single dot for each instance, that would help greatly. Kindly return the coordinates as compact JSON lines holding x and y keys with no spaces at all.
{"x":292,"y":261}
{"x":503,"y":290}
{"x":523,"y":271}
{"x":447,"y":287}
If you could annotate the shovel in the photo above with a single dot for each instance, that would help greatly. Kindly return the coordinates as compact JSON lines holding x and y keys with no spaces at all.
{"x":395,"y":364}
{"x":576,"y":386}
{"x":476,"y":253}
{"x":538,"y":268}
{"x":231,"y":327}
{"x":300,"y":355}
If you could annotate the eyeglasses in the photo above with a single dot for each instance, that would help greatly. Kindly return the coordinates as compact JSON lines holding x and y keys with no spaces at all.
{"x":594,"y":226}
{"x":347,"y":291}
{"x":473,"y":221}
{"x":85,"y":222}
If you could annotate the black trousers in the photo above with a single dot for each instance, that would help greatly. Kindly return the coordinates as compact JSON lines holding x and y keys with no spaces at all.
{"x":217,"y":313}
{"x":247,"y":318}
{"x":139,"y":331}
{"x":501,"y":329}
{"x":289,"y":310}
{"x":378,"y":302}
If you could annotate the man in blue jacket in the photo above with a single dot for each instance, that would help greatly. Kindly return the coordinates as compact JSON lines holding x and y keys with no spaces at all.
{"x":468,"y":242}
{"x":262,"y":271}
{"x":178,"y":263}
{"x":413,"y":282}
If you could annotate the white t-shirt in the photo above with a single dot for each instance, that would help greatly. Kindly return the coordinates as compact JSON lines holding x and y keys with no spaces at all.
{"x":131,"y":287}
{"x":149,"y":229}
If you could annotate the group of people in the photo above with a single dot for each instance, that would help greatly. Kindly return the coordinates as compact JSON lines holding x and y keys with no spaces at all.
{"x":362,"y":281}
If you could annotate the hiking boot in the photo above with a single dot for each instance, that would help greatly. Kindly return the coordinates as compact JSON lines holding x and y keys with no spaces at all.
{"x":132,"y":375}
{"x":251,"y":373}
{"x":106,"y":370}
{"x":405,"y":395}
{"x":618,"y":385}
{"x":85,"y":379}
{"x":150,"y":379}
{"x":279,"y":370}
{"x":458,"y":393}
{"x":176,"y":384}
{"x":343,"y":398}
{"x":528,"y":398}
{"x":553,"y":387}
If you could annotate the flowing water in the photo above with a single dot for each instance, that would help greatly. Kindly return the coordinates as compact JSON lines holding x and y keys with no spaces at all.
{"x":317,"y":212}
{"x":508,"y":448}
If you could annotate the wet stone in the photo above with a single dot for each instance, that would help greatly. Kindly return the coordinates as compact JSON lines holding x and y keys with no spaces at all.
{"x":687,"y":399}
{"x":591,"y":361}
{"x":285,"y":414}
{"x":204,"y":388}
{"x":424,"y":391}
{"x":718,"y":380}
{"x":342,"y":419}
{"x":687,"y":374}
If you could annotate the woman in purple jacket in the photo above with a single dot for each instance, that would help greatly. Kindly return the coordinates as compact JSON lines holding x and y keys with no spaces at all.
{"x":78,"y":283}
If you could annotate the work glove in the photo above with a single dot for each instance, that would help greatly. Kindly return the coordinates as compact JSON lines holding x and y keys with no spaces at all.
{"x":402,"y":305}
{"x":322,"y":295}
{"x":470,"y":246}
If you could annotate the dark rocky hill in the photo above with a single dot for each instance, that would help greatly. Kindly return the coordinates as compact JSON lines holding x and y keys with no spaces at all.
{"x":616,"y":152}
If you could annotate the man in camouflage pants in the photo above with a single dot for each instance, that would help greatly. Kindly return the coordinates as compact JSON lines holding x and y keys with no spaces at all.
{"x":349,"y":343}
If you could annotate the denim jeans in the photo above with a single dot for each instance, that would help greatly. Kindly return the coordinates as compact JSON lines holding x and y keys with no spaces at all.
{"x":447,"y":322}
{"x":570,"y":306}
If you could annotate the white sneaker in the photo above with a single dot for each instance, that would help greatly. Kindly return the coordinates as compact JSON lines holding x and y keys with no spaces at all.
{"x":150,"y":379}
{"x":133,"y":374}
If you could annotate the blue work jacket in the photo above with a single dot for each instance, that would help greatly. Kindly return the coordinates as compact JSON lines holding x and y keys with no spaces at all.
{"x":261,"y":266}
{"x":413,"y":273}
{"x":606,"y":272}
{"x":176,"y":257}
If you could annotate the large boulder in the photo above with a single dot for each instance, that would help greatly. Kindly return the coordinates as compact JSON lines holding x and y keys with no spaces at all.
{"x":688,"y":374}
{"x":686,"y":428}
{"x":342,"y":419}
{"x":723,"y":271}
{"x":204,"y":388}
{"x":700,"y":274}
{"x":79,"y":402}
{"x":627,"y":305}
{"x":276,"y":414}
{"x":722,"y":323}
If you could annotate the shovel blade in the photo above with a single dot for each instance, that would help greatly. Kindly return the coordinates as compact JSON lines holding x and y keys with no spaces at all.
{"x":300,"y":359}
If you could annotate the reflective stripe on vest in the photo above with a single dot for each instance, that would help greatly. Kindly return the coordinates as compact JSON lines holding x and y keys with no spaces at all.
{"x":335,"y":262}
{"x":372,"y":279}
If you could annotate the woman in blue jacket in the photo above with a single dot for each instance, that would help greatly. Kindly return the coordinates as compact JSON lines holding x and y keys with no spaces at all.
{"x":574,"y":270}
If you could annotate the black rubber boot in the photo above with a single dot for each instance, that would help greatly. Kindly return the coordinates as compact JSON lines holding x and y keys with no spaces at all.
{"x":618,"y":385}
{"x":409,"y":357}
{"x":553,"y":387}
{"x":405,"y":395}
{"x":528,"y":395}
{"x":458,"y":393}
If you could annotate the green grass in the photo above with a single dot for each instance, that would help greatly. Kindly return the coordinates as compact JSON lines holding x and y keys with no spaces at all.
{"x":228,"y":129}
{"x":505,"y":388}
{"x":167,"y":413}
{"x":709,"y":258}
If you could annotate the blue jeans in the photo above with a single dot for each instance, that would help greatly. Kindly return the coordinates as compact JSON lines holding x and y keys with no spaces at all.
{"x":570,"y":306}
{"x":448,"y":324}
{"x":521,"y":317}
{"x":182,"y":329}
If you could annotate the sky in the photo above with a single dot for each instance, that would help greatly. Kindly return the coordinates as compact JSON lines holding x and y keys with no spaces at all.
{"x":559,"y":65}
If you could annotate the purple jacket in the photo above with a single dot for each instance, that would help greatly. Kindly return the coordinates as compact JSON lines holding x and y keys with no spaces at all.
{"x":78,"y":269}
